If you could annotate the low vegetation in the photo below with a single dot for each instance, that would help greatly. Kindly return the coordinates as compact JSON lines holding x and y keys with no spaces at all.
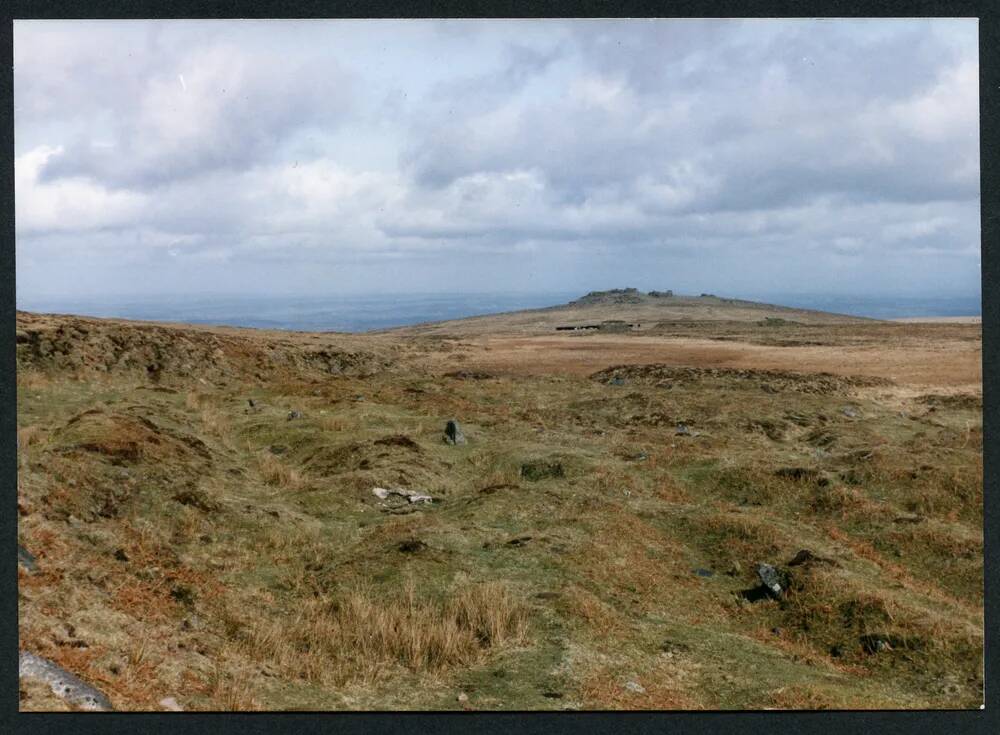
{"x":204,"y":526}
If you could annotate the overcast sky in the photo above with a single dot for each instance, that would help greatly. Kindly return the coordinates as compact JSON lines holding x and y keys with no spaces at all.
{"x":305,"y":157}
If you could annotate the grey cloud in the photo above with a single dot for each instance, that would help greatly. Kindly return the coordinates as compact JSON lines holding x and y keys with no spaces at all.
{"x":774,"y":123}
{"x":216,"y":108}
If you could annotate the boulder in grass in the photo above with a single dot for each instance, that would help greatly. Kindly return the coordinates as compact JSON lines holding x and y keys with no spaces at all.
{"x":64,"y":685}
{"x":771,"y":579}
{"x":26,"y":559}
{"x":453,"y":433}
{"x":409,"y":496}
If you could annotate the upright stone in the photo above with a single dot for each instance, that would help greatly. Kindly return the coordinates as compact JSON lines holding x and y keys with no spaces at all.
{"x":453,"y":433}
{"x":770,"y":578}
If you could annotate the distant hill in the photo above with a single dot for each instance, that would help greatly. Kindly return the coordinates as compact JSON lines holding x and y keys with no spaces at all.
{"x":627,"y":309}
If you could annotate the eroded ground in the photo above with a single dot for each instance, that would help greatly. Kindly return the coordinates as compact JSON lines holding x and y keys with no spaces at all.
{"x":583,"y":550}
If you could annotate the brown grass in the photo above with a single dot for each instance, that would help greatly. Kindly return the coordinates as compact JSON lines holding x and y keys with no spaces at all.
{"x":32,"y":379}
{"x":215,"y":422}
{"x":283,"y":588}
{"x":811,"y":697}
{"x":230,"y":692}
{"x":360,"y":635}
{"x":603,"y":621}
{"x":277,"y":473}
{"x":194,"y":400}
{"x":28,"y":436}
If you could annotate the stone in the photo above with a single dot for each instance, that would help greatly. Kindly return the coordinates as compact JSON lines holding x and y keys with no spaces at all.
{"x":851,"y":412}
{"x":292,"y":415}
{"x":170,"y":704}
{"x":463,"y":697}
{"x":770,"y":578}
{"x":635,"y":687}
{"x":704,"y":572}
{"x":26,"y":559}
{"x":64,"y":685}
{"x":682,"y":430}
{"x":875,"y":643}
{"x":453,"y":433}
{"x":411,"y":496}
{"x":617,"y":380}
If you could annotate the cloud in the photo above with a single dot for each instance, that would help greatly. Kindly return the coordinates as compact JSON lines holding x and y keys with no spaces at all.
{"x":578,"y":151}
{"x":68,"y":204}
{"x":215,"y":107}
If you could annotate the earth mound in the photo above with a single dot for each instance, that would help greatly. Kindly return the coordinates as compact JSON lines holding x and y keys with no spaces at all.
{"x":666,"y":376}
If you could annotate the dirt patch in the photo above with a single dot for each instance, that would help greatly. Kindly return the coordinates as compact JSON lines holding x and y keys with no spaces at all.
{"x":398,"y":440}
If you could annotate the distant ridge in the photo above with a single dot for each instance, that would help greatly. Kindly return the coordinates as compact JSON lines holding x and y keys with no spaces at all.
{"x":629,"y":309}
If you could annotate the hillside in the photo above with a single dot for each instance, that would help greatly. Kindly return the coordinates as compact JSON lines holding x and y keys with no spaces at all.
{"x":233,"y":518}
{"x":640,"y":312}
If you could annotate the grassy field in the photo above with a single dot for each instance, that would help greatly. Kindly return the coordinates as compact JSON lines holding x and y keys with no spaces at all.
{"x":200,"y":505}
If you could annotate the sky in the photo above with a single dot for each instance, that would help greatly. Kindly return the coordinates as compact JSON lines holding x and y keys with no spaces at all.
{"x":316,"y":158}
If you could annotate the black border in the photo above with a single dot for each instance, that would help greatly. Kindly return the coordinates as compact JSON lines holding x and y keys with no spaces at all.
{"x":890,"y":722}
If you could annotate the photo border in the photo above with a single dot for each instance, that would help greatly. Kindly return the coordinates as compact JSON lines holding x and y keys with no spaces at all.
{"x":957,"y":722}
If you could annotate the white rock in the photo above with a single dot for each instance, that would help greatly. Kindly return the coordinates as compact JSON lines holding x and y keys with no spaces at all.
{"x":411,"y":495}
{"x":636,"y":687}
{"x":169,"y":703}
{"x":63,"y":683}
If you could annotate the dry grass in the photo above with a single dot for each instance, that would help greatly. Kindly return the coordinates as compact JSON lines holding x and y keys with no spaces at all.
{"x":603,"y":621}
{"x":360,"y":635}
{"x":494,"y":469}
{"x":603,"y":688}
{"x":215,"y":422}
{"x":276,"y":473}
{"x":230,"y":692}
{"x":194,"y":400}
{"x":28,"y":436}
{"x":810,"y":697}
{"x":203,"y":565}
{"x":28,"y":379}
